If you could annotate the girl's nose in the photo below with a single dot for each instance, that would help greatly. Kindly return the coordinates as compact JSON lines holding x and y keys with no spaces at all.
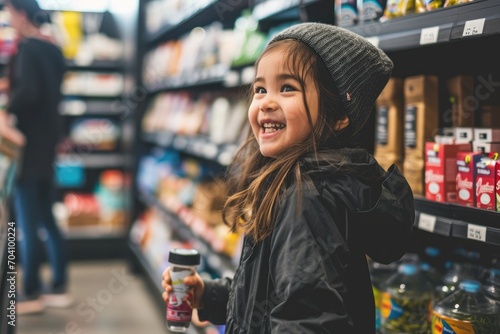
{"x":268,"y":104}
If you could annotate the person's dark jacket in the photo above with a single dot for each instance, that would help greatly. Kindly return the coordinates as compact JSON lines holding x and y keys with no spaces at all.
{"x":35,"y":76}
{"x":305,"y":277}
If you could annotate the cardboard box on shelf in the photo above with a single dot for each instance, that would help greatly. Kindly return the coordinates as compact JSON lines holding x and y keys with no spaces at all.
{"x":487,"y":135}
{"x":389,"y":147}
{"x":490,"y":116}
{"x":485,"y":183}
{"x":441,"y":171}
{"x":486,"y":147}
{"x":466,"y":177}
{"x":460,"y":90}
{"x":421,"y":125}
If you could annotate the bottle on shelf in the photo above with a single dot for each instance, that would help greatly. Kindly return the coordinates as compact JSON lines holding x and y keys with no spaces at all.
{"x":467,"y":310}
{"x":406,"y":302}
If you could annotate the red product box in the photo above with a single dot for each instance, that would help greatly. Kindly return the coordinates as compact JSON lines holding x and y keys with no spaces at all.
{"x":485,"y":183}
{"x":441,"y":171}
{"x":466,"y":176}
{"x":497,"y":187}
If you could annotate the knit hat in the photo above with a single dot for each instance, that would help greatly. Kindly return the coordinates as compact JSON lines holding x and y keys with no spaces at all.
{"x":359,"y":70}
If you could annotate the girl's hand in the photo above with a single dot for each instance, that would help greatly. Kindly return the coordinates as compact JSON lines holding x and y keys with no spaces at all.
{"x":194,"y":281}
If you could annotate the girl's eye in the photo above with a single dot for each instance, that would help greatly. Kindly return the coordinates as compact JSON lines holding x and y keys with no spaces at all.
{"x":287,"y":88}
{"x":260,"y":90}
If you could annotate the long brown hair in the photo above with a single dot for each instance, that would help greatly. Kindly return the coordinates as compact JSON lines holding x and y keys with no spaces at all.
{"x":255,"y":182}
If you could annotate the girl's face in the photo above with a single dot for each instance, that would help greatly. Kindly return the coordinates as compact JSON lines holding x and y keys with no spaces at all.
{"x":277,"y":114}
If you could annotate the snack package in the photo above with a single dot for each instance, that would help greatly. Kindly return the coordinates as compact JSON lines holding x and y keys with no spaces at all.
{"x":389,"y":148}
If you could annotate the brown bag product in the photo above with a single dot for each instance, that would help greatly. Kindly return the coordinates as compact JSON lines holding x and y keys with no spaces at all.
{"x":421,"y":124}
{"x":490,"y":116}
{"x":389,"y":148}
{"x":461,"y":91}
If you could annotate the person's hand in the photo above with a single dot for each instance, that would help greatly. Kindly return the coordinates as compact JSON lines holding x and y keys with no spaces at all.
{"x":194,"y":281}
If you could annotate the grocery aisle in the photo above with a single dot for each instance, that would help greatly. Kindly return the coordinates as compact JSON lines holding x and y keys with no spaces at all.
{"x":109,"y":299}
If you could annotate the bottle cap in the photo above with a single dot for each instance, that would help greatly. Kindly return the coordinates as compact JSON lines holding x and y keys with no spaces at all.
{"x":184,"y":256}
{"x":470,"y":286}
{"x":407,"y":269}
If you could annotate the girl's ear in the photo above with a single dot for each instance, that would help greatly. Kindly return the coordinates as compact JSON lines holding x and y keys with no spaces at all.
{"x":341,"y":124}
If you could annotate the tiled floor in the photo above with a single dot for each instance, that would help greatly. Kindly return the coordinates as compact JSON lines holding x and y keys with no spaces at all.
{"x":108,"y":300}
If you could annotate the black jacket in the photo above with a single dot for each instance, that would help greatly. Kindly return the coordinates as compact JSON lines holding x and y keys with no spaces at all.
{"x":305,"y":277}
{"x":35,"y":74}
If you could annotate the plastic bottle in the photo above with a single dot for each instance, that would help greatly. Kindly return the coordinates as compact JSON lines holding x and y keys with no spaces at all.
{"x":406,"y":303}
{"x":492,"y":285}
{"x":467,"y":310}
{"x":457,"y":273}
{"x":179,"y":307}
{"x":379,"y":273}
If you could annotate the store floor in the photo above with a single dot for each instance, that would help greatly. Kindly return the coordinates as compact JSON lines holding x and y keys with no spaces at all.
{"x":108,"y":299}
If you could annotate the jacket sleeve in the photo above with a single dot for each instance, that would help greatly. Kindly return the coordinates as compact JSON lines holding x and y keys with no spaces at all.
{"x":306,"y":269}
{"x":26,"y":92}
{"x":388,"y":226}
{"x":215,"y":298}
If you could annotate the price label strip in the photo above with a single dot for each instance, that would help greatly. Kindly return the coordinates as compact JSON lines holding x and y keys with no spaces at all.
{"x":476,"y":232}
{"x":427,"y":222}
{"x":473,"y":27}
{"x":429,"y":35}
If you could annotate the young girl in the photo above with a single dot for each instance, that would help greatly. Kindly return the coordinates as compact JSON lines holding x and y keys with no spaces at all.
{"x":310,"y":206}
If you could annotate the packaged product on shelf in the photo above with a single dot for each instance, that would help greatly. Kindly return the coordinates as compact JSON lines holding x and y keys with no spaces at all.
{"x":460,"y":89}
{"x":111,"y":197}
{"x":421,"y":124}
{"x":488,"y":135}
{"x":466,"y":177}
{"x":346,"y":12}
{"x":486,"y":182}
{"x":457,"y":272}
{"x":441,"y":171}
{"x":371,"y":10}
{"x":398,"y":8}
{"x":490,"y":116}
{"x":254,"y":40}
{"x":389,"y":140}
{"x":490,"y":149}
{"x":379,"y":273}
{"x":492,"y":284}
{"x":448,"y":3}
{"x":466,"y":310}
{"x":407,"y":301}
{"x":463,"y":135}
{"x":422,"y":6}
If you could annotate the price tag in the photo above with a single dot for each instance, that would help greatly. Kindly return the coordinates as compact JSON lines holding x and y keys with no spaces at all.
{"x":473,"y":27}
{"x":429,"y":35}
{"x":427,"y":222}
{"x":476,"y":232}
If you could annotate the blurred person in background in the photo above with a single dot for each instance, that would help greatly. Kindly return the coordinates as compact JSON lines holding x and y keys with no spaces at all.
{"x":35,"y":74}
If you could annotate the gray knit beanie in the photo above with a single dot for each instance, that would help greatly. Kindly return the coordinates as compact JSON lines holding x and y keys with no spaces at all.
{"x":359,"y":70}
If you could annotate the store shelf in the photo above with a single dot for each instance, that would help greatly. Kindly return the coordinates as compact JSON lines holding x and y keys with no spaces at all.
{"x":92,"y":160}
{"x":213,"y":10}
{"x":457,"y":221}
{"x":442,"y":25}
{"x":214,"y":75}
{"x":98,"y":65}
{"x":285,"y":9}
{"x":78,"y":107}
{"x":199,"y":146}
{"x":189,"y":227}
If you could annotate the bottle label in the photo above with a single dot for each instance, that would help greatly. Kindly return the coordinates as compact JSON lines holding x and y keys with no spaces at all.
{"x":390,"y":309}
{"x":378,"y":297}
{"x":179,"y":307}
{"x":445,"y":325}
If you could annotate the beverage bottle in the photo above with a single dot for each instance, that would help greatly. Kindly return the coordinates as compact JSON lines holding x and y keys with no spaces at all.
{"x":379,"y":273}
{"x":457,"y":272}
{"x":179,"y":306}
{"x":467,"y":310}
{"x":406,"y":303}
{"x":492,"y":285}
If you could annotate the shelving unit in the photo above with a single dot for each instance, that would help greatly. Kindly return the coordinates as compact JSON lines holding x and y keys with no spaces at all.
{"x":437,"y":42}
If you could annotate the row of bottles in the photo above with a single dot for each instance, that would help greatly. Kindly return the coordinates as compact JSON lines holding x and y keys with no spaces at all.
{"x":414,"y":296}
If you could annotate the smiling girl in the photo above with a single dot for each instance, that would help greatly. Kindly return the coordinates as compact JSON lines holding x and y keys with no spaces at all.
{"x":311,"y":206}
